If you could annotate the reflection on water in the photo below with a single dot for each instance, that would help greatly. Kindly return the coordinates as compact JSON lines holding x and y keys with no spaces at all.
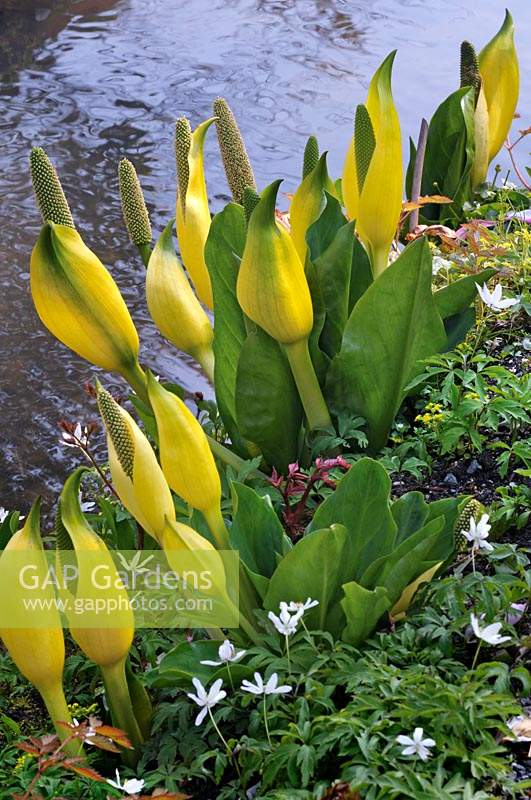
{"x":95,"y":80}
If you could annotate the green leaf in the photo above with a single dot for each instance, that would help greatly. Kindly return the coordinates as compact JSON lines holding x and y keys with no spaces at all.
{"x":361,"y":273}
{"x":410,"y":513}
{"x":223,"y":251}
{"x":183,"y":663}
{"x":268,"y":407}
{"x":457,"y":296}
{"x":457,"y":327}
{"x":361,"y":504}
{"x":449,"y":155}
{"x":333,"y":269}
{"x":322,"y":233}
{"x":393,"y":325}
{"x":256,"y":531}
{"x":415,"y":555}
{"x":362,"y":608}
{"x":316,"y":567}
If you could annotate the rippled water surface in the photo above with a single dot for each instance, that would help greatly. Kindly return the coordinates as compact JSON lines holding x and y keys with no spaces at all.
{"x":95,"y":80}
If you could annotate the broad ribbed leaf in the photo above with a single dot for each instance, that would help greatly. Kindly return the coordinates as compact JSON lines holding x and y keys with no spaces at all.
{"x":362,"y":608}
{"x":449,"y":155}
{"x":317,"y":567}
{"x":223,"y":252}
{"x":393,"y":325}
{"x":268,"y":408}
{"x":361,"y":503}
{"x":256,"y":531}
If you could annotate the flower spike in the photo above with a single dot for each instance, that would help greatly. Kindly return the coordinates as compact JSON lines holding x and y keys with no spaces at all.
{"x":235,"y":159}
{"x":134,"y":209}
{"x":49,"y":193}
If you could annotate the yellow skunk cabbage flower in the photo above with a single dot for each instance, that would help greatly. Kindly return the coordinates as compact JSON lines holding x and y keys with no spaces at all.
{"x":78,"y":301}
{"x":39,"y":653}
{"x":470,"y":77}
{"x":108,"y":645}
{"x":178,"y":537}
{"x":373,"y":173}
{"x":186,"y":458}
{"x":136,"y":474}
{"x":193,"y":215}
{"x":481,"y":140}
{"x":273,"y":291}
{"x":173,"y":306}
{"x":308,"y":203}
{"x":498,"y":67}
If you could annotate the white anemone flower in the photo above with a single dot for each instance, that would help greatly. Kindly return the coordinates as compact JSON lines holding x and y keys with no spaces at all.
{"x":416,"y":745}
{"x":227,"y":654}
{"x":207,"y":700}
{"x":286,"y":623}
{"x":294,"y":606}
{"x":494,"y":299}
{"x":490,"y":633}
{"x":259,"y":687}
{"x":4,"y":513}
{"x":478,"y":533}
{"x":131,"y":786}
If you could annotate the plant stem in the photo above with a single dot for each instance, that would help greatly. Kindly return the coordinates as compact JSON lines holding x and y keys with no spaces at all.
{"x":123,"y":715}
{"x":55,"y":702}
{"x":307,"y":384}
{"x":227,"y":456}
{"x":379,"y":260}
{"x":266,"y":723}
{"x":416,"y":182}
{"x":205,"y":357}
{"x":217,"y":527}
{"x":227,"y":748}
{"x":287,"y":655}
{"x":474,"y":662}
{"x":136,"y":378}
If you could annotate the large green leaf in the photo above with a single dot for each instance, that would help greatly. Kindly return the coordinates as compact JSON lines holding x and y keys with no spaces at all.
{"x":361,"y":504}
{"x":362,"y":608}
{"x":449,"y":155}
{"x":333,"y":268}
{"x":414,"y":556}
{"x":183,"y":663}
{"x":322,"y":232}
{"x":268,"y":407}
{"x":317,"y":567}
{"x":256,"y":530}
{"x":457,"y":296}
{"x":361,"y":273}
{"x":223,"y":251}
{"x":393,"y":325}
{"x":410,"y":512}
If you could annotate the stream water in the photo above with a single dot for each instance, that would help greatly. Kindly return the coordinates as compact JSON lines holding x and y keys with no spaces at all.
{"x":95,"y":80}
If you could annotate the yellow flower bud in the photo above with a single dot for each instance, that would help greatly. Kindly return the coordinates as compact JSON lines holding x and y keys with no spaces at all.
{"x":136,"y":474}
{"x":79,"y":302}
{"x":39,"y":653}
{"x":186,"y":458}
{"x":174,"y":307}
{"x":308,"y":203}
{"x":498,"y":67}
{"x":373,"y":174}
{"x":193,"y":215}
{"x":272,"y":288}
{"x":107,"y":646}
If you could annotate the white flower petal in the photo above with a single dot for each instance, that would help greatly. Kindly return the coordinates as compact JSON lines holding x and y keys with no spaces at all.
{"x":202,"y":714}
